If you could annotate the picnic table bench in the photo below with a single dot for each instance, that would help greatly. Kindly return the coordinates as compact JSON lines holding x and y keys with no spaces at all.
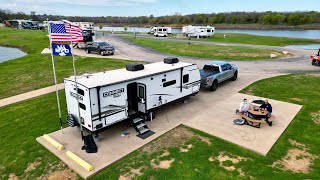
{"x":255,"y":122}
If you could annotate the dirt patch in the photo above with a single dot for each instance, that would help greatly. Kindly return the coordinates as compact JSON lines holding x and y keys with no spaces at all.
{"x":32,"y":166}
{"x":189,"y":146}
{"x":133,"y":173}
{"x":297,"y":159}
{"x":205,"y":139}
{"x":223,"y":157}
{"x":166,"y":153}
{"x":297,"y":99}
{"x":166,"y":164}
{"x":173,"y":138}
{"x":314,"y":74}
{"x":65,"y":174}
{"x":315,"y":116}
{"x":13,"y":176}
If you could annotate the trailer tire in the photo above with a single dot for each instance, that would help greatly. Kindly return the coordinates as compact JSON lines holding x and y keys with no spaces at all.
{"x":71,"y":120}
{"x":151,"y":116}
{"x":87,"y":51}
{"x":235,"y":76}
{"x":214,"y":86}
{"x":313,"y":62}
{"x":101,"y":53}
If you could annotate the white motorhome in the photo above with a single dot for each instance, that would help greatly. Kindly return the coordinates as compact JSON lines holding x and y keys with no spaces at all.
{"x":132,"y":93}
{"x":198,"y":31}
{"x":162,"y":31}
{"x":85,"y":25}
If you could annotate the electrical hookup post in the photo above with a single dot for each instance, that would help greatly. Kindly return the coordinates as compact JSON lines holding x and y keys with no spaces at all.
{"x":60,"y":35}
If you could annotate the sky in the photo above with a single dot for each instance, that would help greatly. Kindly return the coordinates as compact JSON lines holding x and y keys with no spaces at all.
{"x":152,"y":7}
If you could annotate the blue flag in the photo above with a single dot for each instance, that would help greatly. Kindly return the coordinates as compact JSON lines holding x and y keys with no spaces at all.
{"x":61,"y":50}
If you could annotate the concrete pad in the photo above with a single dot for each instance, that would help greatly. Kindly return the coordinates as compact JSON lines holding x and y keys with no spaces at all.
{"x":111,"y":146}
{"x":46,"y":51}
{"x":198,"y":113}
{"x":218,"y":121}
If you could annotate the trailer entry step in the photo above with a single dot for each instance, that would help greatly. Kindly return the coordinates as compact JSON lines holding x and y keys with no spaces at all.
{"x":146,"y":134}
{"x":136,"y":120}
{"x":140,"y":125}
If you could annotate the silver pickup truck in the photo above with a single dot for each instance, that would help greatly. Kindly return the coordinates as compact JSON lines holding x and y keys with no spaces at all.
{"x":215,"y":72}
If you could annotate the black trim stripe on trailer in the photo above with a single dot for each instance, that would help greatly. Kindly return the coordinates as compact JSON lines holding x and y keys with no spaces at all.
{"x":132,"y":78}
{"x":110,"y":114}
{"x":181,"y":76}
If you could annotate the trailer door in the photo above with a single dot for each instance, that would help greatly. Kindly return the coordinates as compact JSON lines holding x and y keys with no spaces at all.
{"x":142,"y":101}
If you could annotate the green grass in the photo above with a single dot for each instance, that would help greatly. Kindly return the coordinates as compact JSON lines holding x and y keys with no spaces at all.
{"x":21,"y":123}
{"x":258,"y":40}
{"x":205,"y":50}
{"x":34,"y":71}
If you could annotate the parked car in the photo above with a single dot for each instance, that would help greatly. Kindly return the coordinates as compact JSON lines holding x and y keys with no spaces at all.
{"x":102,"y":48}
{"x":216,"y":72}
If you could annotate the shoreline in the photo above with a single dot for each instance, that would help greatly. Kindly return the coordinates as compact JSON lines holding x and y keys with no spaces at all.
{"x":229,"y":26}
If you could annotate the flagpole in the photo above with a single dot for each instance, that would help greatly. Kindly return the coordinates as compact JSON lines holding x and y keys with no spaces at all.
{"x":55,"y":78}
{"x":75,"y":80}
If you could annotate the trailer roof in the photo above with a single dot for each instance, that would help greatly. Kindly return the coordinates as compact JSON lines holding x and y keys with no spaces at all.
{"x":121,"y":75}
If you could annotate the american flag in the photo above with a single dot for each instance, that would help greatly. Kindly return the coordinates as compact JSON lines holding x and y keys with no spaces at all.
{"x":61,"y":33}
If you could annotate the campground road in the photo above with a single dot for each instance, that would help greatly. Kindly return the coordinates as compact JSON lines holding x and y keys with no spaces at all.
{"x":300,"y":63}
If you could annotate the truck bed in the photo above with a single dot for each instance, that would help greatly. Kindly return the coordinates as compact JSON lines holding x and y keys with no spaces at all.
{"x":206,"y":73}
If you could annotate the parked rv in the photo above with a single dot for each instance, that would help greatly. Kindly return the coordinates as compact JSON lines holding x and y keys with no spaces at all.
{"x":102,"y":48}
{"x":216,"y":72}
{"x":130,"y":94}
{"x":153,"y":29}
{"x":162,"y":31}
{"x":198,"y":31}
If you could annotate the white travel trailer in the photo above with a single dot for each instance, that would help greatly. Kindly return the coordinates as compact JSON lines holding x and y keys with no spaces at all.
{"x":198,"y":31}
{"x":132,"y":93}
{"x":161,"y":31}
{"x":85,"y":25}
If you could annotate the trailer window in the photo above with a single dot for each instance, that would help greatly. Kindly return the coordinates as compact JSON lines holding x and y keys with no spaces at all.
{"x":169,"y":83}
{"x":208,"y":30}
{"x":164,"y":29}
{"x":185,"y":78}
{"x":81,"y":92}
{"x":82,"y":106}
{"x":141,"y":92}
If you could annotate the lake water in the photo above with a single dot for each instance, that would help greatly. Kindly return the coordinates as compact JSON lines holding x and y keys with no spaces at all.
{"x":310,"y":34}
{"x":10,"y":53}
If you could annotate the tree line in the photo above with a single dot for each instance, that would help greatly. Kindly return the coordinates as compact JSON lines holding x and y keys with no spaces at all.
{"x":267,"y":18}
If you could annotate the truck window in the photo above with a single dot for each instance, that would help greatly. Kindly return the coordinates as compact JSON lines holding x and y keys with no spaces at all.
{"x":169,"y":83}
{"x":185,"y":78}
{"x":224,"y":67}
{"x":82,"y":106}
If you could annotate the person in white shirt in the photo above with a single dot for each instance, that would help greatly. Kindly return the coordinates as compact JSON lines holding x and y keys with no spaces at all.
{"x":244,"y":106}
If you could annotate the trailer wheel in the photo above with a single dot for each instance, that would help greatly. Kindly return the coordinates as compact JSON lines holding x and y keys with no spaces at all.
{"x":102,"y":53}
{"x":71,"y":120}
{"x":214,"y":86}
{"x":151,"y":116}
{"x":313,"y":62}
{"x":87,"y":51}
{"x":235,"y":76}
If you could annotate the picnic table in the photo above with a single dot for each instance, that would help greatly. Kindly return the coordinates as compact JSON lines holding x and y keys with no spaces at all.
{"x":257,"y":118}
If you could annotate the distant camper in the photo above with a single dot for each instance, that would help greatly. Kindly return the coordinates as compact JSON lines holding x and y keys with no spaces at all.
{"x":160,"y":31}
{"x":198,"y":31}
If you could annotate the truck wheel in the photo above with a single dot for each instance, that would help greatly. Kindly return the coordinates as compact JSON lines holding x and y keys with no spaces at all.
{"x":214,"y":85}
{"x":102,"y":53}
{"x":87,"y":51}
{"x":313,"y":62}
{"x":235,"y":76}
{"x":151,"y":116}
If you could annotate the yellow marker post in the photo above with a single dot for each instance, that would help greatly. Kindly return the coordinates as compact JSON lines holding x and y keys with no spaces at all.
{"x":80,"y":161}
{"x":53,"y":142}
